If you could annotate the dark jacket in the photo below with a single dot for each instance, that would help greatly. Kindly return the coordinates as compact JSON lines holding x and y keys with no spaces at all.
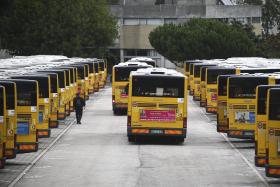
{"x":78,"y":103}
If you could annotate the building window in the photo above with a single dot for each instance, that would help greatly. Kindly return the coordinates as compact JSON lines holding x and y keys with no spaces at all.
{"x":143,"y":21}
{"x":256,"y":20}
{"x":154,"y":21}
{"x":170,"y":21}
{"x":142,"y":52}
{"x":131,"y":21}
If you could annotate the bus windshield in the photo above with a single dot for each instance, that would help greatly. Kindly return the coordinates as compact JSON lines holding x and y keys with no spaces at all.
{"x":1,"y":101}
{"x":203,"y":70}
{"x":101,"y":66}
{"x":81,"y":72}
{"x":212,"y":74}
{"x":274,"y":104}
{"x":10,"y":94}
{"x":245,"y":87}
{"x":156,"y":86}
{"x":122,"y":73}
{"x":261,"y":97}
{"x":26,"y":94}
{"x":53,"y":83}
{"x":96,"y":67}
{"x":222,"y":85}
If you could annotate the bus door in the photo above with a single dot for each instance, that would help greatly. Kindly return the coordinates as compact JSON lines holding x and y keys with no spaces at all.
{"x":11,"y":118}
{"x":241,"y":98}
{"x":44,"y":83}
{"x":157,"y":106}
{"x":272,"y":167}
{"x":27,"y":115}
{"x":261,"y":124}
{"x":211,"y":86}
{"x":3,"y":135}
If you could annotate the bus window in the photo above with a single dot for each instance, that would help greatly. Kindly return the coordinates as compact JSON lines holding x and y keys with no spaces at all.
{"x":27,"y":95}
{"x":158,"y":87}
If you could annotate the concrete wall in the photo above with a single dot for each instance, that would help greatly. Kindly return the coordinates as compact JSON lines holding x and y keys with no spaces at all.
{"x":136,"y":36}
{"x":237,"y":11}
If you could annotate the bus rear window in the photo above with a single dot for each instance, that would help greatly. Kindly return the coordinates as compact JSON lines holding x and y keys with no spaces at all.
{"x":222,"y":86}
{"x":96,"y":67}
{"x":81,"y":73}
{"x":197,"y":71}
{"x":145,"y":86}
{"x":213,"y":74}
{"x":122,"y":73}
{"x":53,"y":83}
{"x":1,"y":102}
{"x":274,"y":105}
{"x":26,"y":94}
{"x":245,"y":87}
{"x":10,"y":95}
{"x":61,"y":78}
{"x":101,"y":66}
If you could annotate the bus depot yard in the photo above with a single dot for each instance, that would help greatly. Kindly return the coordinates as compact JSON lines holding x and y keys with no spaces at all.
{"x":214,"y":124}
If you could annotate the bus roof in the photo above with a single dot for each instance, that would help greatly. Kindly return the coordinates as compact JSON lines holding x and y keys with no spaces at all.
{"x":127,"y":64}
{"x":157,"y":72}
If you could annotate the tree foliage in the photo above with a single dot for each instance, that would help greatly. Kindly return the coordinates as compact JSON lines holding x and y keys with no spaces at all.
{"x":68,"y":27}
{"x":270,"y":47}
{"x":201,"y":39}
{"x":271,"y":15}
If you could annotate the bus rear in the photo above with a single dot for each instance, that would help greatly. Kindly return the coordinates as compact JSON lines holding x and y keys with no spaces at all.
{"x":157,"y":104}
{"x":261,"y":124}
{"x":212,"y":74}
{"x":27,"y":115}
{"x":3,"y":135}
{"x":272,"y":167}
{"x":241,"y":106}
{"x":11,"y":118}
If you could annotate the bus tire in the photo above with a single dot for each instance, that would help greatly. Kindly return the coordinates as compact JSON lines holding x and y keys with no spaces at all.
{"x":180,"y":140}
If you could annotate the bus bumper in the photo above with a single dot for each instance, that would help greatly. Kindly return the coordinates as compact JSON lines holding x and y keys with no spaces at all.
{"x":241,"y":134}
{"x":272,"y":171}
{"x":211,"y":110}
{"x":53,"y":124}
{"x":27,"y":147}
{"x":260,"y":161}
{"x":44,"y":133}
{"x":178,"y":133}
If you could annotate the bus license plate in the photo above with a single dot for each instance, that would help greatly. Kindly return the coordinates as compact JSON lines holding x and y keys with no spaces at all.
{"x":248,"y":133}
{"x":156,"y":131}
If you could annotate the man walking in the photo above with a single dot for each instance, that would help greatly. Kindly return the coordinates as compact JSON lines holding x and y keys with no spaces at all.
{"x":79,"y":104}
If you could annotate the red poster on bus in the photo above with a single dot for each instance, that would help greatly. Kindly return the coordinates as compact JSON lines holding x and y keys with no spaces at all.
{"x":158,"y":115}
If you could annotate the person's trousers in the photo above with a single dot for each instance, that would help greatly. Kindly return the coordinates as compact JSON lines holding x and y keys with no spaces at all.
{"x":79,"y":114}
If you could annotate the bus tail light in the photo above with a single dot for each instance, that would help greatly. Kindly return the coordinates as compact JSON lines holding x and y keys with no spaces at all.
{"x":140,"y":131}
{"x":184,"y":122}
{"x":129,"y":121}
{"x":173,"y":132}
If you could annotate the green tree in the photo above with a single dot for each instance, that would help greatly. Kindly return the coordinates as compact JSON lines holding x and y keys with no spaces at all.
{"x":270,"y":47}
{"x":69,"y":27}
{"x":201,"y":39}
{"x":271,"y":15}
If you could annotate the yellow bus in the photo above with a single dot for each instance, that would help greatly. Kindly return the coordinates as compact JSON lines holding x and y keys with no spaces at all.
{"x":97,"y":79}
{"x":241,"y":98}
{"x":11,"y":118}
{"x":81,"y":85}
{"x":272,"y":167}
{"x":211,"y":87}
{"x":120,"y":81}
{"x":261,"y":124}
{"x":3,"y":126}
{"x":102,"y":72}
{"x":197,"y":78}
{"x":54,"y":99}
{"x":157,"y":104}
{"x":61,"y":114}
{"x":187,"y":69}
{"x":91,"y":76}
{"x":44,"y":83}
{"x":27,"y":115}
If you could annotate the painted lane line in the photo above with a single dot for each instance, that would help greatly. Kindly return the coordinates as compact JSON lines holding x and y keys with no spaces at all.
{"x":240,"y":154}
{"x":14,"y":182}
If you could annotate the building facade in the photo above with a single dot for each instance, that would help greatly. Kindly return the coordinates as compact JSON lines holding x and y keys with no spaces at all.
{"x":137,"y":18}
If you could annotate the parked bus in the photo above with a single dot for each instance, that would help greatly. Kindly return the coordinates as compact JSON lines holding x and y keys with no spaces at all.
{"x":241,"y":98}
{"x":272,"y":167}
{"x":188,"y":66}
{"x":97,"y":80}
{"x":157,"y":104}
{"x":120,"y":83}
{"x":11,"y":118}
{"x":91,"y":76}
{"x":197,"y":78}
{"x":211,"y":87}
{"x":261,"y":124}
{"x":2,"y":127}
{"x":61,"y":114}
{"x":101,"y":76}
{"x":44,"y":83}
{"x":27,"y":115}
{"x":81,"y":80}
